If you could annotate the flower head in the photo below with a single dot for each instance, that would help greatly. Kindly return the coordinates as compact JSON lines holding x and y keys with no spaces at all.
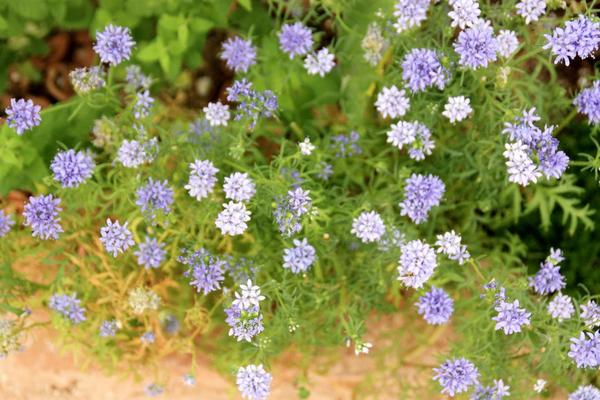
{"x":133,"y":153}
{"x":232,"y":220}
{"x":417,"y":263}
{"x":41,"y":214}
{"x":561,"y":307}
{"x":321,"y":62}
{"x":436,"y":306}
{"x":116,"y":238}
{"x":217,"y":114}
{"x":154,"y":196}
{"x":109,"y":328}
{"x":531,"y":10}
{"x":507,"y":43}
{"x":141,"y":300}
{"x":150,"y":253}
{"x":239,"y":54}
{"x":580,"y":37}
{"x":85,"y":80}
{"x":450,"y":244}
{"x":415,"y":135}
{"x":22,"y":115}
{"x":588,"y":103}
{"x":392,"y":102}
{"x":295,"y":39}
{"x":72,"y":168}
{"x":6,"y":223}
{"x":585,"y":350}
{"x":250,"y":295}
{"x":368,"y":226}
{"x":114,"y":44}
{"x":464,"y":13}
{"x":300,"y":257}
{"x":202,"y":179}
{"x":477,"y":46}
{"x":421,"y":193}
{"x":422,"y":69}
{"x":244,"y":323}
{"x":457,"y":109}
{"x":143,"y":104}
{"x":206,"y":271}
{"x":511,"y":317}
{"x":587,"y":392}
{"x":456,"y":375}
{"x":239,"y":187}
{"x":68,"y":306}
{"x":590,"y":313}
{"x":548,"y":279}
{"x":254,"y":383}
{"x":410,"y":14}
{"x":374,"y":44}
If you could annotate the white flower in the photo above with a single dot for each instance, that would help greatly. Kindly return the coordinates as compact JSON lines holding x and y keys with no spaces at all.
{"x":450,"y":244}
{"x":520,"y":168}
{"x":306,"y":147}
{"x":501,"y":390}
{"x":507,"y":43}
{"x":217,"y":114}
{"x":465,"y":13}
{"x":232,"y":220}
{"x":250,"y":296}
{"x":531,"y":10}
{"x":392,"y":102}
{"x":539,"y":386}
{"x":457,"y":108}
{"x":362,"y":348}
{"x":320,"y":63}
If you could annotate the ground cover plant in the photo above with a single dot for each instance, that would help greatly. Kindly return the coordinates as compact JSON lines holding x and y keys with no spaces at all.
{"x":437,"y":158}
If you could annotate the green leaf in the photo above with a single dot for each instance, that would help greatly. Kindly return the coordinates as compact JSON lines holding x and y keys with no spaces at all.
{"x":171,"y":22}
{"x":201,"y":25}
{"x":247,"y":4}
{"x":149,"y":52}
{"x":30,"y":9}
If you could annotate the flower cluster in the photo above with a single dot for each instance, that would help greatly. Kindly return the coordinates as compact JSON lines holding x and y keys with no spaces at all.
{"x":422,"y":69}
{"x":205,"y":271}
{"x":6,"y":223}
{"x":417,"y":263}
{"x":436,"y":306}
{"x":295,"y":39}
{"x":116,"y":238}
{"x":68,"y":306}
{"x":239,"y":187}
{"x":421,"y":193}
{"x":290,"y":210}
{"x":368,"y":226}
{"x":457,"y":109}
{"x":114,"y":44}
{"x":511,"y":317}
{"x":85,"y":80}
{"x":464,"y":13}
{"x":41,"y":214}
{"x":549,"y":279}
{"x":392,"y":102}
{"x":154,"y":196}
{"x":142,"y":300}
{"x":410,"y":14}
{"x":300,"y":257}
{"x":133,"y":153}
{"x":585,"y":350}
{"x":202,"y":179}
{"x":527,"y":143}
{"x":580,"y":37}
{"x":561,"y":307}
{"x":233,"y":219}
{"x":531,"y":10}
{"x":346,"y":145}
{"x":22,"y":115}
{"x":450,"y":245}
{"x":71,"y":168}
{"x":456,"y":375}
{"x":239,"y":54}
{"x":477,"y":46}
{"x":588,"y":102}
{"x":252,"y":104}
{"x":415,"y":135}
{"x":244,"y":316}
{"x":254,"y":383}
{"x":150,"y":253}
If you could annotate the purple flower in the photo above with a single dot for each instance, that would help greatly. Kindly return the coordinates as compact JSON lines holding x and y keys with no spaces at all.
{"x":204,"y":270}
{"x":507,"y":43}
{"x":456,"y":375}
{"x":72,"y":168}
{"x":511,"y":317}
{"x":415,"y":135}
{"x":154,"y":196}
{"x":421,"y":193}
{"x":410,"y":14}
{"x":417,"y":263}
{"x":202,"y":179}
{"x":136,"y":79}
{"x":133,"y":153}
{"x":465,"y":13}
{"x":290,"y":209}
{"x":585,"y":350}
{"x":233,"y":219}
{"x":253,"y":104}
{"x":548,"y":279}
{"x":392,"y":102}
{"x":116,"y":238}
{"x":154,"y":390}
{"x":588,"y":103}
{"x":421,"y":69}
{"x":590,"y":313}
{"x":580,"y":37}
{"x":346,"y":145}
{"x":368,"y":226}
{"x":217,"y":114}
{"x":295,"y":39}
{"x":148,"y":337}
{"x":68,"y":306}
{"x":254,"y":383}
{"x":150,"y":253}
{"x":114,"y":44}
{"x":587,"y":392}
{"x":239,"y":187}
{"x":109,"y":328}
{"x":41,"y":214}
{"x":561,"y":307}
{"x":6,"y":223}
{"x":143,"y":104}
{"x":436,"y":306}
{"x":497,"y":391}
{"x":244,"y":323}
{"x":300,"y":257}
{"x":477,"y":46}
{"x":22,"y":115}
{"x":531,"y":10}
{"x":238,"y":54}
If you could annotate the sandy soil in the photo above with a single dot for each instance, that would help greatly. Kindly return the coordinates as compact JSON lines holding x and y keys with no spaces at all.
{"x":42,"y":371}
